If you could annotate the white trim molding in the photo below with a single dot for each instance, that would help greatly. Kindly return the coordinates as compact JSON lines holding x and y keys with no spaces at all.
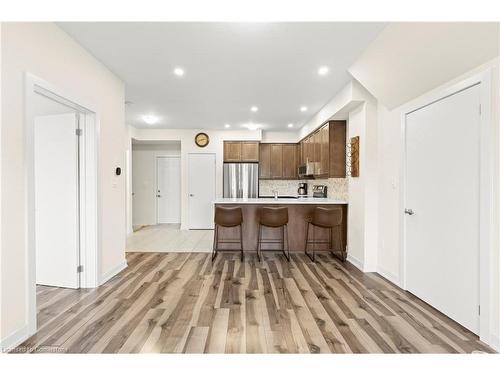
{"x":113,"y":272}
{"x":355,"y":262}
{"x":495,"y":342}
{"x":14,"y":339}
{"x":90,"y":252}
{"x":388,"y":275}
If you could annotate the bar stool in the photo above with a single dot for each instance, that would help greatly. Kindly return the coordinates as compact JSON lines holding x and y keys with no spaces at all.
{"x":274,"y":217}
{"x":327,"y":218}
{"x":227,"y":217}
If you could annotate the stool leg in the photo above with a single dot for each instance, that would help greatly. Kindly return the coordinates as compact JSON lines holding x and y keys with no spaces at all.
{"x":214,"y":249}
{"x":342,"y":250}
{"x":287,"y":253}
{"x":283,"y":239}
{"x":314,"y":243}
{"x":241,"y":242}
{"x":330,"y":239}
{"x":307,"y":241}
{"x":258,"y":242}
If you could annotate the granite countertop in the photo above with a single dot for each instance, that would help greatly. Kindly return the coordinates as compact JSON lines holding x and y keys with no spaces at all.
{"x":305,"y":200}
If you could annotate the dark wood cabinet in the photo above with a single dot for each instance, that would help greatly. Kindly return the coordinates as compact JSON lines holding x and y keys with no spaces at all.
{"x":326,"y":148}
{"x":276,"y":161}
{"x":232,"y":151}
{"x":250,"y":151}
{"x":290,"y":161}
{"x":316,"y":138}
{"x":337,"y":148}
{"x":241,"y":151}
{"x":323,"y":152}
{"x":265,"y":161}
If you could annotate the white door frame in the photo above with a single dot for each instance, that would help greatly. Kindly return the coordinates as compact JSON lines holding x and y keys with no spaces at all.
{"x":156,"y":182}
{"x":89,"y":220}
{"x":486,"y":192}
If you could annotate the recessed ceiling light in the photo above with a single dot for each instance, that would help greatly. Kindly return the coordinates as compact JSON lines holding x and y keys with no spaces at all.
{"x":252,"y":126}
{"x":323,"y":70}
{"x":227,"y":126}
{"x":290,"y":125}
{"x":303,"y":109}
{"x":150,"y":119}
{"x":254,"y":109}
{"x":179,"y":72}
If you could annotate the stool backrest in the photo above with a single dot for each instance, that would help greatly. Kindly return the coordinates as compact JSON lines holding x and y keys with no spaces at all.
{"x":228,"y":216}
{"x":274,"y":216}
{"x":327,"y":217}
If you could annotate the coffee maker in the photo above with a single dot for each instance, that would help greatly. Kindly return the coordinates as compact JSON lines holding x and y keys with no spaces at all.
{"x":302,"y":188}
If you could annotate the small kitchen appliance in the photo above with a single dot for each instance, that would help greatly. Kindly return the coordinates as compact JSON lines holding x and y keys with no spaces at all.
{"x":302,"y":188}
{"x":319,"y":191}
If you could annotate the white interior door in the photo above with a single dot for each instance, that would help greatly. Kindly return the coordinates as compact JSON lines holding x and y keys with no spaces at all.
{"x":201,"y":186}
{"x":56,"y":200}
{"x":168,"y":192}
{"x":442,"y":189}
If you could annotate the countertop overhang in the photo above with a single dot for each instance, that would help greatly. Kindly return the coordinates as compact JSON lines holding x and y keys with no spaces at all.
{"x":308,"y":200}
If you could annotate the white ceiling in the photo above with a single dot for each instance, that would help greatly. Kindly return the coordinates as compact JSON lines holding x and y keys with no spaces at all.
{"x":229,"y":67}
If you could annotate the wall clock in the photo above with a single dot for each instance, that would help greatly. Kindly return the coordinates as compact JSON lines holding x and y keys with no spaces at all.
{"x":201,"y":139}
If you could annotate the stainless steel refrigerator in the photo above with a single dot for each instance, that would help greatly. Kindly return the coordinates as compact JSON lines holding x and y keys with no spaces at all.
{"x":241,"y":180}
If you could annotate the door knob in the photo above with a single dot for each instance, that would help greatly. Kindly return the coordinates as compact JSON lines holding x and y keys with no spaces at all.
{"x":409,"y":211}
{"x":191,"y":195}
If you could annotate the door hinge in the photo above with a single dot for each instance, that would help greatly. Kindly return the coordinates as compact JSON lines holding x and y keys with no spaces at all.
{"x":78,"y":132}
{"x":79,"y":269}
{"x":479,"y":310}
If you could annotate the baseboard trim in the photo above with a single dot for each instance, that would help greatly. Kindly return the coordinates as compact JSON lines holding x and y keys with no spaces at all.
{"x":494,"y":342}
{"x":355,"y":262}
{"x":113,"y":272}
{"x":388,"y":275}
{"x":14,"y":339}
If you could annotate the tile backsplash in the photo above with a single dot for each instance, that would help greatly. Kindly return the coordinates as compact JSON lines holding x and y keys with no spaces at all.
{"x":337,"y":187}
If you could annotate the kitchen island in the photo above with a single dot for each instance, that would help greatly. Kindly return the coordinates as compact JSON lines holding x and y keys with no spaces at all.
{"x":298,"y":210}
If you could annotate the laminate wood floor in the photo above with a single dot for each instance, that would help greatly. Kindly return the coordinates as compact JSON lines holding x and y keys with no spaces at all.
{"x":182,"y":303}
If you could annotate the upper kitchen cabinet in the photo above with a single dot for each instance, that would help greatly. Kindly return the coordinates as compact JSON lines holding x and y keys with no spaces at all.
{"x":290,"y":161}
{"x":326,"y":150}
{"x":322,"y":152}
{"x":232,"y":151}
{"x":265,"y":161}
{"x":337,"y":148}
{"x":241,"y":151}
{"x":250,"y":151}
{"x":278,"y":161}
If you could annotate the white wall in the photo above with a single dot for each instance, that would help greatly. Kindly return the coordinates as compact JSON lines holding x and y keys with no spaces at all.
{"x":337,"y":108}
{"x":389,"y":216}
{"x":406,"y":63}
{"x":44,"y":50}
{"x":144,"y":179}
{"x":363,"y":205}
{"x":280,"y":137}
{"x":408,"y":59}
{"x":186,"y":138}
{"x":2,"y":280}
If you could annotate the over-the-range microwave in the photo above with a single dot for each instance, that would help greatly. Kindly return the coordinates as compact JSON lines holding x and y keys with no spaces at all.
{"x":306,"y":170}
